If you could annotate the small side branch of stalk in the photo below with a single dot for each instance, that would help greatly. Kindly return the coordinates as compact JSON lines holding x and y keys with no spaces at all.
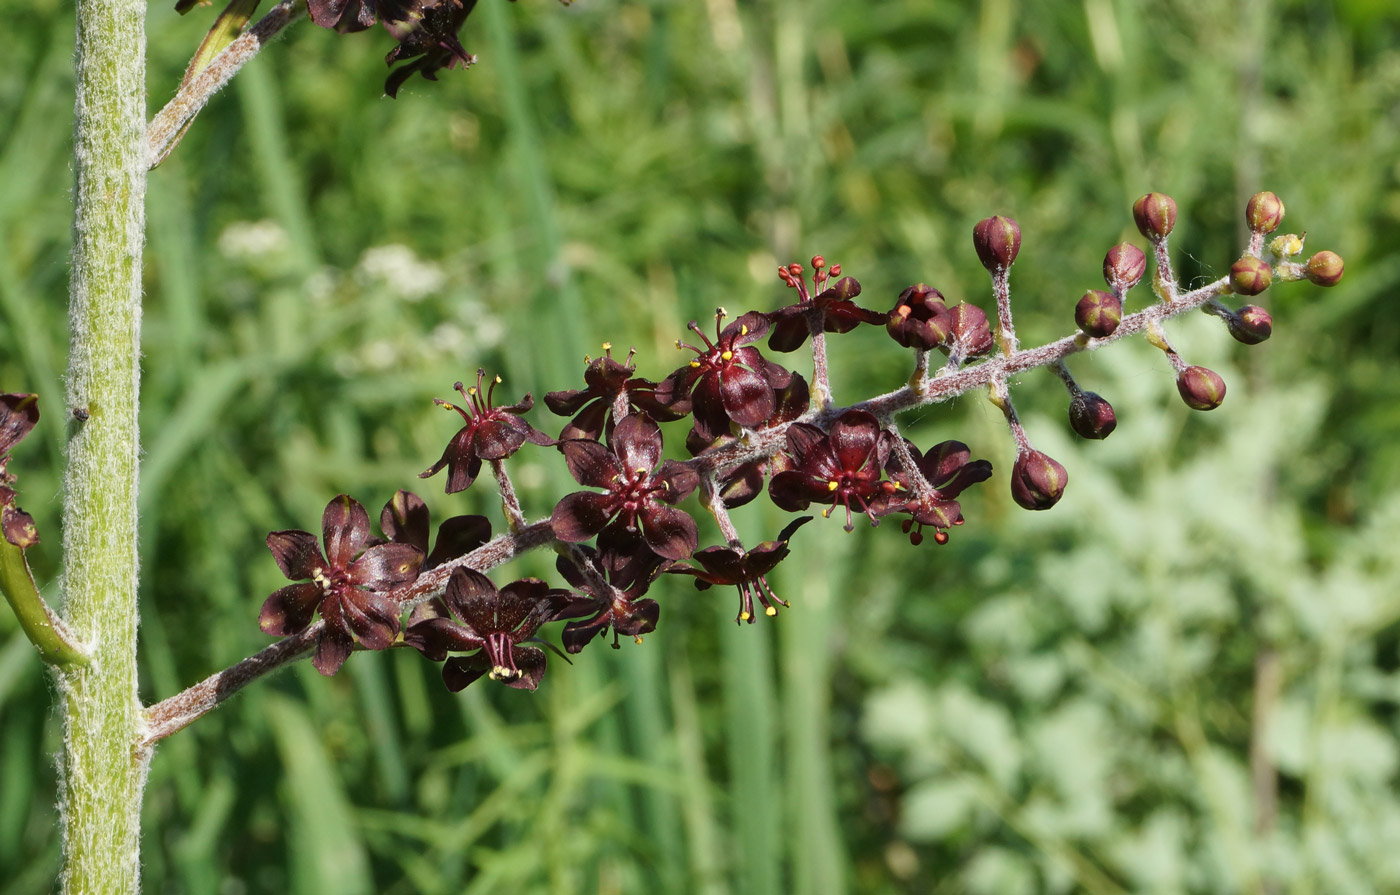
{"x":43,"y":627}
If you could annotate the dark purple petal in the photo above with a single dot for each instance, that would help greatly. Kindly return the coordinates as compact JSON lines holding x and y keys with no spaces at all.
{"x":590,"y":423}
{"x":436,"y":637}
{"x":637,"y":443}
{"x":568,"y":402}
{"x":802,"y":439}
{"x":530,"y":662}
{"x":461,"y":671}
{"x":747,"y":329}
{"x":332,"y":649}
{"x":405,"y":519}
{"x":679,"y":478}
{"x":289,"y":610}
{"x":742,"y":485}
{"x":472,"y":597}
{"x":496,"y":439}
{"x":297,"y":554}
{"x":794,"y":491}
{"x":590,"y":463}
{"x":748,"y":398}
{"x":971,"y":474}
{"x":854,"y":438}
{"x":462,"y":464}
{"x":581,"y":515}
{"x":386,"y":566}
{"x":345,"y":528}
{"x":456,"y":537}
{"x":372,"y":618}
{"x":790,"y":331}
{"x":722,"y":565}
{"x":670,"y":532}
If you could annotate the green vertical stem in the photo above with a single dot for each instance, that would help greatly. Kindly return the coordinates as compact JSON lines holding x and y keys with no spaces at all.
{"x":101,"y":775}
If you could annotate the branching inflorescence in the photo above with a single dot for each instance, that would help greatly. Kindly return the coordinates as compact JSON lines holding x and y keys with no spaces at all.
{"x":754,"y":426}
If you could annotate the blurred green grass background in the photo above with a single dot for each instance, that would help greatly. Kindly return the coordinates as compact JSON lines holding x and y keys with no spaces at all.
{"x":1183,"y":679}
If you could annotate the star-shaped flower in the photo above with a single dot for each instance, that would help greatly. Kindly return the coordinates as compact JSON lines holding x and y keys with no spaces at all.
{"x":490,"y":433}
{"x":641,"y":489}
{"x":745,"y":570}
{"x":346,"y":583}
{"x":841,"y":467}
{"x":473,"y":616}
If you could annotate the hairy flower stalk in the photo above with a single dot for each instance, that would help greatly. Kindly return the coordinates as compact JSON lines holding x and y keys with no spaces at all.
{"x":101,"y":773}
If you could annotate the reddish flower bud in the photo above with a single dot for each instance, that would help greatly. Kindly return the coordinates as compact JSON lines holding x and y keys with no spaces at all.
{"x":920,"y":319}
{"x":970,"y":327}
{"x":1037,"y":481}
{"x":1090,"y":416}
{"x":1325,"y":268}
{"x":1251,"y":325}
{"x":1155,"y":215}
{"x":818,"y":262}
{"x":998,"y":240}
{"x":1250,"y":275}
{"x":1200,"y":388}
{"x":1124,"y":266}
{"x":1098,"y":313}
{"x":1264,"y":212}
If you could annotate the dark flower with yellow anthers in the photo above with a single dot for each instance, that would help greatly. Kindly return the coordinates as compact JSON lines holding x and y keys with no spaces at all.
{"x":842,"y":467}
{"x":347,"y":584}
{"x":473,"y":616}
{"x":640,"y":490}
{"x":929,"y":492}
{"x":608,"y":381}
{"x":491,"y":433}
{"x":839,"y":314}
{"x":728,"y":380}
{"x":744,"y":570}
{"x":627,"y":567}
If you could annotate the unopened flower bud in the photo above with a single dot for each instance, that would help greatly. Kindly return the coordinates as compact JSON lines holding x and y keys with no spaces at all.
{"x":1286,"y":246}
{"x":1037,"y":481}
{"x":1264,"y":212}
{"x":1090,"y":416}
{"x":1251,"y":325}
{"x":18,"y":527}
{"x":1098,"y":313}
{"x":1325,"y":268}
{"x":998,"y":240}
{"x":1155,"y":215}
{"x":920,"y":319}
{"x":971,"y":329}
{"x":1200,"y":388}
{"x":1124,"y":266}
{"x":818,"y":262}
{"x":1250,"y":275}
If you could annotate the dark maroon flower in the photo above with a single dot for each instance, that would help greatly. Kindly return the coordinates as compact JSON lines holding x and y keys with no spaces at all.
{"x":474,"y":616}
{"x":427,"y":34}
{"x":608,"y":383}
{"x":347,"y":584}
{"x":404,"y":520}
{"x":839,"y":467}
{"x":745,"y":570}
{"x":930,"y":497}
{"x":920,"y":318}
{"x":640,"y":488}
{"x":623,"y":569}
{"x":491,"y":433}
{"x":729,"y":379}
{"x":832,"y":304}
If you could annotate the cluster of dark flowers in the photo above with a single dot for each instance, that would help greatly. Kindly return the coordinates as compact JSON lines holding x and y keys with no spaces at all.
{"x":754,"y":426}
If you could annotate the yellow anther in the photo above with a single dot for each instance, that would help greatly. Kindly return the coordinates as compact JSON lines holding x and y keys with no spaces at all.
{"x":770,"y":612}
{"x":826,"y":513}
{"x":638,"y":638}
{"x":641,"y":471}
{"x":728,"y":355}
{"x":679,"y":346}
{"x":744,"y":616}
{"x":607,"y":346}
{"x":744,"y":330}
{"x":472,"y":391}
{"x":498,"y":379}
{"x":695,"y":363}
{"x":832,"y":485}
{"x":587,"y":360}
